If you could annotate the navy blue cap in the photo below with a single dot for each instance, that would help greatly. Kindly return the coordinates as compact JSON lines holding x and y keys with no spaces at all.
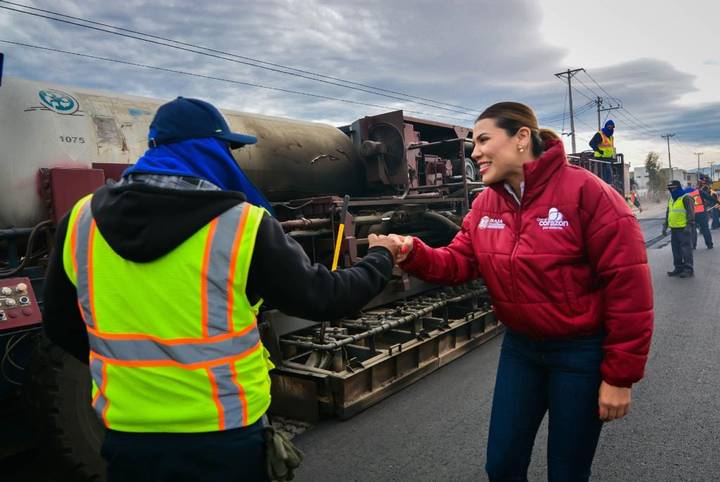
{"x":183,"y":119}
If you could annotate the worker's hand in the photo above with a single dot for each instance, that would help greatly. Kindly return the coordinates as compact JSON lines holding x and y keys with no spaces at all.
{"x":399,"y":246}
{"x":613,"y":402}
{"x":664,"y":233}
{"x":406,"y":246}
{"x":390,"y":243}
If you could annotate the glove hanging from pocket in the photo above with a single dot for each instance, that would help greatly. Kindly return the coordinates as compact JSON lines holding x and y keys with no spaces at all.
{"x":282,"y":456}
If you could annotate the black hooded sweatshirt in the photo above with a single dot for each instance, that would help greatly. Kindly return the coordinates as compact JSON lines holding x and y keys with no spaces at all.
{"x":141,"y":223}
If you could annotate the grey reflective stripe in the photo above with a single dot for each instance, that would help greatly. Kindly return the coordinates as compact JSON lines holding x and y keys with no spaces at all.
{"x":96,"y":371}
{"x":219,"y":270}
{"x":200,"y":351}
{"x":229,"y":396}
{"x":84,"y":223}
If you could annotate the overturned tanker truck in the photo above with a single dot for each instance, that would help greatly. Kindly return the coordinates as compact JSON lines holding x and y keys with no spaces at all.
{"x":380,"y":174}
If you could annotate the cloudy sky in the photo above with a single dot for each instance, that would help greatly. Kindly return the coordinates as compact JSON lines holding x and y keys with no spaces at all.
{"x":659,"y":60}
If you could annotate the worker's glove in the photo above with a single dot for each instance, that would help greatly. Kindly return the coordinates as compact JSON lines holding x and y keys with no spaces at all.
{"x":282,"y":456}
{"x":664,"y":233}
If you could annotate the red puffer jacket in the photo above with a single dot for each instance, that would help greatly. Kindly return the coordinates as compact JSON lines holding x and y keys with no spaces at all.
{"x":569,"y":261}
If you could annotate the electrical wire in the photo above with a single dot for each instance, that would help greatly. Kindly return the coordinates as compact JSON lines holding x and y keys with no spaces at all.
{"x":222,"y":56}
{"x":9,"y":347}
{"x":221,"y":79}
{"x":308,"y":72}
{"x":28,"y":250}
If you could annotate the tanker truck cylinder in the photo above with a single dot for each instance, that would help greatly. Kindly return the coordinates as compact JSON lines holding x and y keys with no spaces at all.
{"x":46,"y":126}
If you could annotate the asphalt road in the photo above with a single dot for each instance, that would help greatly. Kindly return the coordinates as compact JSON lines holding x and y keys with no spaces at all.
{"x":436,"y":429}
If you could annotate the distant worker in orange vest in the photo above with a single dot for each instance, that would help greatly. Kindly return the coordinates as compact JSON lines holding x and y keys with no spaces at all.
{"x":635,"y":200}
{"x":701,"y":219}
{"x":603,"y":143}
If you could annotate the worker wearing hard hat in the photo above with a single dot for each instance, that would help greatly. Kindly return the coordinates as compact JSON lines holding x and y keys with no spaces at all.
{"x":162,"y":274}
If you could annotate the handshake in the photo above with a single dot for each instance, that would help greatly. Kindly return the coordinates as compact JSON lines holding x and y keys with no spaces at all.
{"x":399,"y":246}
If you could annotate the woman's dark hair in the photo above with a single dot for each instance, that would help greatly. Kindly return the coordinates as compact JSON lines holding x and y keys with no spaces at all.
{"x":511,"y":116}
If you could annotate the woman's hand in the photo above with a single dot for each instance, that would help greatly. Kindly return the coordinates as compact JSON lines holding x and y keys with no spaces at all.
{"x":399,"y":246}
{"x":406,"y":246}
{"x":614,"y":402}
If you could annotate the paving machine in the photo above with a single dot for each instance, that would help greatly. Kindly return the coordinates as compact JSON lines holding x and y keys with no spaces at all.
{"x":387,"y":173}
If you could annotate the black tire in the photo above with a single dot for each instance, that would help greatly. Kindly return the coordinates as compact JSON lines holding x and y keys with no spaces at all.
{"x":470,"y":170}
{"x":69,"y":433}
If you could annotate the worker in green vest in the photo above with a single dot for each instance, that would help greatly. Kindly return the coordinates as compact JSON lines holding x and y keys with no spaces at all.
{"x":680,"y":218}
{"x":156,"y":282}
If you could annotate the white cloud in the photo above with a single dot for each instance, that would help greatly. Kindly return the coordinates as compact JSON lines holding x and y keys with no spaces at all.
{"x":470,"y":53}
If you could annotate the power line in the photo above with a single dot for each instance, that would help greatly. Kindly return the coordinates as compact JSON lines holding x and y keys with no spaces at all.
{"x":565,"y":116}
{"x":668,"y":136}
{"x":632,"y":120}
{"x":278,"y":68}
{"x":569,"y":74}
{"x":232,"y":81}
{"x":698,"y":154}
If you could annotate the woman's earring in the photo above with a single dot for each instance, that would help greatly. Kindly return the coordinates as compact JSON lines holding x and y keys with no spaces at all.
{"x":521,"y":149}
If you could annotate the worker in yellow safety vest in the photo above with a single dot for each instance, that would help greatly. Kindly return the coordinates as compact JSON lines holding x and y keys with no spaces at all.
{"x":680,"y":218}
{"x":156,"y":283}
{"x":603,"y":146}
{"x":603,"y":142}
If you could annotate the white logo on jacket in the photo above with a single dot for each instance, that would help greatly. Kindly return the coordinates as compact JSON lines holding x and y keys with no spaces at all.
{"x":554,"y":220}
{"x":489,"y":223}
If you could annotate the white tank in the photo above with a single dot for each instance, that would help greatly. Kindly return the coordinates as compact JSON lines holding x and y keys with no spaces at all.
{"x":44,"y":125}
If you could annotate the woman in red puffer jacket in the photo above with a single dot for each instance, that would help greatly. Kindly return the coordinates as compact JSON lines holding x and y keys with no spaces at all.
{"x":565,"y":263}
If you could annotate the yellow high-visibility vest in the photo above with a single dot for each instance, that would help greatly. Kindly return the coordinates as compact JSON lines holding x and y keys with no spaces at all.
{"x":174,"y":344}
{"x":606,"y":148}
{"x":677,"y":216}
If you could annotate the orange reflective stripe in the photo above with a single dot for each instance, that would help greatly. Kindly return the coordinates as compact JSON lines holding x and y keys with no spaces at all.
{"x":203,"y":277}
{"x":99,"y":398}
{"x":103,"y":414}
{"x":241,"y":392}
{"x":73,"y":239}
{"x":233,"y":264}
{"x":90,"y":272}
{"x":187,"y":366}
{"x":216,"y":399}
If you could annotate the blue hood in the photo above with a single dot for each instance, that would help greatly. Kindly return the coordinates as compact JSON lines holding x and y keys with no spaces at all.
{"x":609,"y":128}
{"x":677,"y":193}
{"x":206,"y":158}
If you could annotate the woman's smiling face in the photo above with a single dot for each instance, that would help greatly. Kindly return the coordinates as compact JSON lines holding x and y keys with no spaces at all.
{"x":498,"y":155}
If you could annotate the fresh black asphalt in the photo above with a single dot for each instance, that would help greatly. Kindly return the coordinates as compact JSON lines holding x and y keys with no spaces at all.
{"x":436,"y":429}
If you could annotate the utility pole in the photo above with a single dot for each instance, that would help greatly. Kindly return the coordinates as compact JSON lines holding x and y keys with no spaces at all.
{"x":569,"y":74}
{"x":698,"y":154}
{"x":668,"y":136}
{"x":598,"y":103}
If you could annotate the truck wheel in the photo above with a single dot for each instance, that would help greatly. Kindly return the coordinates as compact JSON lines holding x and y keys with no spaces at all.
{"x":68,"y":430}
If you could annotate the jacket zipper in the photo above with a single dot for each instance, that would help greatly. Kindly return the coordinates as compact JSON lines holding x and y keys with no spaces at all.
{"x":513,"y":254}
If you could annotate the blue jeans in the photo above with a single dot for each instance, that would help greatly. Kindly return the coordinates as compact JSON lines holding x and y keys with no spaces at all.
{"x":561,"y":377}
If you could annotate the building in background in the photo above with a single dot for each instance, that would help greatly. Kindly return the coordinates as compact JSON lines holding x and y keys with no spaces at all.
{"x":712,"y":171}
{"x":640,"y":179}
